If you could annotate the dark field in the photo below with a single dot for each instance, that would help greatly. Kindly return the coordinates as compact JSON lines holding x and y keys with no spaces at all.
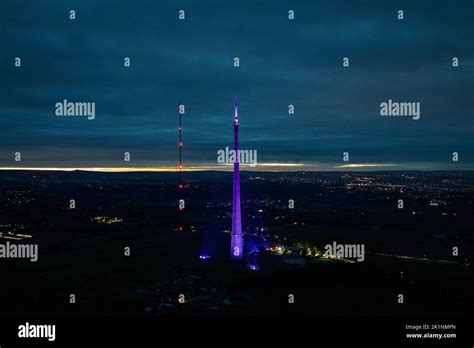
{"x":408,"y":250}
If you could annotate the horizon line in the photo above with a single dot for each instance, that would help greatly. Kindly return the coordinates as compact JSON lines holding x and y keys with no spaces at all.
{"x":339,"y":168}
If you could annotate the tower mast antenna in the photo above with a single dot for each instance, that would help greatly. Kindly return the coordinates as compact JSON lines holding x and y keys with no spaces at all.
{"x":180,"y":145}
{"x":236,"y":252}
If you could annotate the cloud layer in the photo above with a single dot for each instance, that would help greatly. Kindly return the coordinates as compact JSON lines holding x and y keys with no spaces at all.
{"x":282,"y":62}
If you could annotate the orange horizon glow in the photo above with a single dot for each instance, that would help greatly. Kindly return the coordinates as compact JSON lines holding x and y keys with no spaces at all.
{"x":260,"y":167}
{"x":154,"y":169}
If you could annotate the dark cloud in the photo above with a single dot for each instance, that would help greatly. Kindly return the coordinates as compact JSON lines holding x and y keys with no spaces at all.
{"x":282,"y":62}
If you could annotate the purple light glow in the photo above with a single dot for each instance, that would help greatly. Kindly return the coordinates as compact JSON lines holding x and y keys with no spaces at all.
{"x":236,"y":243}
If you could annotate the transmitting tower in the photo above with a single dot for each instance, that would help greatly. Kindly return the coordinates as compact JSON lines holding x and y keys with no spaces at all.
{"x":236,"y":250}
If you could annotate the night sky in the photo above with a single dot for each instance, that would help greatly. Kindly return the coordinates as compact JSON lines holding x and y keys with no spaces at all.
{"x":282,"y":62}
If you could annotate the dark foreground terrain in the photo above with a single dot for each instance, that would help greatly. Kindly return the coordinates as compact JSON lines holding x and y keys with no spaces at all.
{"x":409,"y":251}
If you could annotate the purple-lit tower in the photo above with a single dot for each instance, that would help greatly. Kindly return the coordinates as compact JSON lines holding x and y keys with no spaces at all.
{"x":236,"y":243}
